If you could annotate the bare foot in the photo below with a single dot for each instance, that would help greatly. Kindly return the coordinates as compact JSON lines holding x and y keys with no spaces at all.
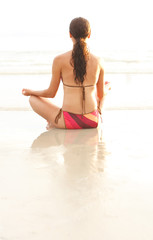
{"x":49,"y":126}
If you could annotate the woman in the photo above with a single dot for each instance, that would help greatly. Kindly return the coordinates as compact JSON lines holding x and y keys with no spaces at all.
{"x":82,"y":75}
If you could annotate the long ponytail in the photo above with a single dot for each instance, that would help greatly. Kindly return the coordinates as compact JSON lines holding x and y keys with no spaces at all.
{"x":80,"y":55}
{"x":80,"y":29}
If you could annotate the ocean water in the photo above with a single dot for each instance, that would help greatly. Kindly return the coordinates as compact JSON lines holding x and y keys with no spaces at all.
{"x":130,"y":74}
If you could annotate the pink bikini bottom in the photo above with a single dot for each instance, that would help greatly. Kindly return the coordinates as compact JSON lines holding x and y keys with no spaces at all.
{"x":79,"y":121}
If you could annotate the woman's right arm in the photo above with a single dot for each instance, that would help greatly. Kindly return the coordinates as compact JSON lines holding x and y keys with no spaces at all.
{"x":50,"y":92}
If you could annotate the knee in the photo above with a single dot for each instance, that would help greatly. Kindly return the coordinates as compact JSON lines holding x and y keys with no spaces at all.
{"x":32,"y":99}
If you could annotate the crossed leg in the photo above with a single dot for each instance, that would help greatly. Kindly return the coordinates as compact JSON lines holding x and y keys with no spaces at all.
{"x":47,"y":110}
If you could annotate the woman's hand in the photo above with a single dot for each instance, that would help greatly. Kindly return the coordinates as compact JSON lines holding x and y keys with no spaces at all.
{"x":26,"y":92}
{"x":107,"y":87}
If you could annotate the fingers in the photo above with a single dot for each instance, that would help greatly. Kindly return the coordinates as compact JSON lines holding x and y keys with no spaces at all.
{"x":107,"y":85}
{"x":25,"y":92}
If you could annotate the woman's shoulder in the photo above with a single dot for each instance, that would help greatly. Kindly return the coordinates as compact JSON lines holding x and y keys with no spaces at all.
{"x":98,"y":60}
{"x":63,"y":56}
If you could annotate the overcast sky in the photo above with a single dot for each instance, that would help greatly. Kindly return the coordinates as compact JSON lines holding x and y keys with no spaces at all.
{"x":41,"y":24}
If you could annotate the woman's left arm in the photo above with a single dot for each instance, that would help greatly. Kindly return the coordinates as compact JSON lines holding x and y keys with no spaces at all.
{"x":50,"y":92}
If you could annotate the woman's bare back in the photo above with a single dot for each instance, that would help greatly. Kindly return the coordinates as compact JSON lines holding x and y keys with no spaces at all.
{"x":73,"y":98}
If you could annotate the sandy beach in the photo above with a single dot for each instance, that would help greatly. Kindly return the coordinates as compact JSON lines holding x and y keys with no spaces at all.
{"x":74,"y":184}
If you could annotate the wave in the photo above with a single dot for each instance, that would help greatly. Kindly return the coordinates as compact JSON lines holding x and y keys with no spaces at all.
{"x":40,"y":62}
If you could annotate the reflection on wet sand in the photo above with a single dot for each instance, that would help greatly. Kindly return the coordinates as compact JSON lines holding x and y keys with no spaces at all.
{"x":75,"y":162}
{"x":95,"y":193}
{"x":79,"y":185}
{"x":64,"y":137}
{"x":82,"y":149}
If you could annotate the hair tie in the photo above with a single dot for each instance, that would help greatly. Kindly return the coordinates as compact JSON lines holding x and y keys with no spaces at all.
{"x":78,"y":39}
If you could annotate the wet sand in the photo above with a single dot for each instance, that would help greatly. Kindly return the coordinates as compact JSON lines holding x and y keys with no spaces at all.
{"x":79,"y":185}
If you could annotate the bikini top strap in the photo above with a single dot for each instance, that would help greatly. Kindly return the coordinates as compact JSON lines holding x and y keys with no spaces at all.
{"x":78,"y":86}
{"x":83,"y":94}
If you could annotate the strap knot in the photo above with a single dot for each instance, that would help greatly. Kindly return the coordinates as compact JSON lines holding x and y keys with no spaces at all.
{"x":58,"y":116}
